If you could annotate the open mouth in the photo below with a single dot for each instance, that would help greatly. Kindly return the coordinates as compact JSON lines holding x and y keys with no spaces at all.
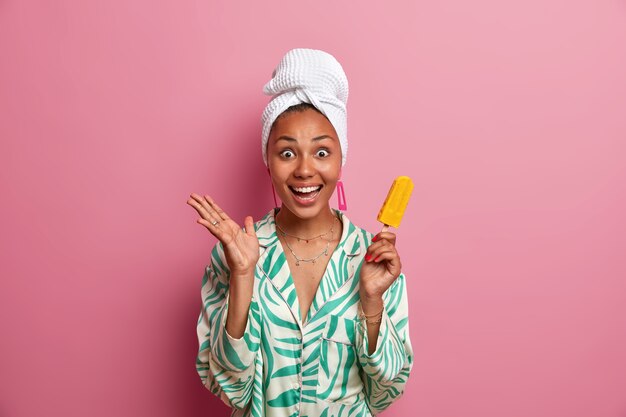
{"x":306,"y":194}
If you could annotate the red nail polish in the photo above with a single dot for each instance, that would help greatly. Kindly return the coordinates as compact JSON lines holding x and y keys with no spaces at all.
{"x":374,"y":238}
{"x":367,"y":257}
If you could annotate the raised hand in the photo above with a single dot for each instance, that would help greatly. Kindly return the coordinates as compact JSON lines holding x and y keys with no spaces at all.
{"x":381,"y":267}
{"x":241,"y":247}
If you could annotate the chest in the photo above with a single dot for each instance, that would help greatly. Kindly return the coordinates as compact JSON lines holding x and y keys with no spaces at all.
{"x":307,"y":276}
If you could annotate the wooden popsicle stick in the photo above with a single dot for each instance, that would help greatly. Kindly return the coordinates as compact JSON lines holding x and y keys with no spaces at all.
{"x":385,"y":228}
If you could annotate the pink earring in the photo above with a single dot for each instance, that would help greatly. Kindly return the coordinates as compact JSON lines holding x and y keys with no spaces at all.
{"x":273,"y":190}
{"x":341,"y":195}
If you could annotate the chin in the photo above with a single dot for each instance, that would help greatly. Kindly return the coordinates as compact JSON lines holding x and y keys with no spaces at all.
{"x":304,"y":212}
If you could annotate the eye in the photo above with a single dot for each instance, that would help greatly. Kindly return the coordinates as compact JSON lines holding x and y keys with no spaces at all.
{"x":287,"y":153}
{"x":323,"y":153}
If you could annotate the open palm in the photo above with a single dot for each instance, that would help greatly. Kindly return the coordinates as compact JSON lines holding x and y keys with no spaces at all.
{"x":241,"y":246}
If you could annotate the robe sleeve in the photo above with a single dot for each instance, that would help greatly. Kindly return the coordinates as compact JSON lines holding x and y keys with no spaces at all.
{"x":225,"y":364}
{"x":386,"y":371}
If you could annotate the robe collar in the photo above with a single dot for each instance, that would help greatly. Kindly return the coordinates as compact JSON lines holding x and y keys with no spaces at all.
{"x":275,"y":267}
{"x":266,"y":233}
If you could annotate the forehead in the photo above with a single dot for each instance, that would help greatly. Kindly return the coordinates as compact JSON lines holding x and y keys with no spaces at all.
{"x":302,"y":126}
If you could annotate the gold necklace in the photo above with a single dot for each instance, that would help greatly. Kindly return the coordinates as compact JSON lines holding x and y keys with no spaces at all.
{"x":306,"y":239}
{"x":313,"y":259}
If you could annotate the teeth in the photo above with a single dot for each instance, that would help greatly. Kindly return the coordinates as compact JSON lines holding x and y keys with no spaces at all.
{"x":306,"y":189}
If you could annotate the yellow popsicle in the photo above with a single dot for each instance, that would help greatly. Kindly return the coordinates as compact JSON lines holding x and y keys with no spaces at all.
{"x":393,"y":208}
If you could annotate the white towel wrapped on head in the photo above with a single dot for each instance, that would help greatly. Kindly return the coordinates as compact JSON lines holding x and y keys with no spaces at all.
{"x":308,"y":76}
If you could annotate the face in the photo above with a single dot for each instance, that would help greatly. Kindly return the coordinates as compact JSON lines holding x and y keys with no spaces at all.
{"x":304,"y":158}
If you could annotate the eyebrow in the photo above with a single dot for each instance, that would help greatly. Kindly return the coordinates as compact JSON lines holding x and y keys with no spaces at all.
{"x":315,"y":139}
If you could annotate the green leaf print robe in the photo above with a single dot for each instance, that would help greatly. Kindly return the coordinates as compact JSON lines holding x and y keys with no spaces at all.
{"x":282,"y":367}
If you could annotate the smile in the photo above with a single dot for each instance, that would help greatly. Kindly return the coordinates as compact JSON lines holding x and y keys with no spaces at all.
{"x":305,"y":195}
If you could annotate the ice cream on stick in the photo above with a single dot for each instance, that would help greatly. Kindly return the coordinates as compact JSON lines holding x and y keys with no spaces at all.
{"x":393,"y":208}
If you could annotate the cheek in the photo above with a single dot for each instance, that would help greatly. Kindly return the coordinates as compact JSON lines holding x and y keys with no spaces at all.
{"x":330,"y":178}
{"x":277,"y":173}
{"x":331,"y":169}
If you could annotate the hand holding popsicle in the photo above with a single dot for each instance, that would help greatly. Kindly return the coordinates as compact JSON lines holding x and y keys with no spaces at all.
{"x":382,"y":262}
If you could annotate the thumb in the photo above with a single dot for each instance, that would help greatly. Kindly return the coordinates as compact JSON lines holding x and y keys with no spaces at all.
{"x":249,"y":225}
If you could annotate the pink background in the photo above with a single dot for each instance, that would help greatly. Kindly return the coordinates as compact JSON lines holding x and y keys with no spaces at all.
{"x":509,"y":116}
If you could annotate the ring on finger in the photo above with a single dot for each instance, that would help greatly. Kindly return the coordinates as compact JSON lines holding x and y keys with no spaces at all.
{"x":215,"y":222}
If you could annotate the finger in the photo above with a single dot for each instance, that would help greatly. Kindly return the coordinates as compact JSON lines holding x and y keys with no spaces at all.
{"x":193,"y":201}
{"x":196,"y":205}
{"x":249,"y":226}
{"x":202,"y":209}
{"x":382,"y":256}
{"x":376,"y":254}
{"x":197,"y":200}
{"x":391,"y":237}
{"x":370,"y":256}
{"x":209,"y":209}
{"x":213,"y":228}
{"x":385,"y":235}
{"x":221,"y":213}
{"x":383,"y":243}
{"x":392,"y":261}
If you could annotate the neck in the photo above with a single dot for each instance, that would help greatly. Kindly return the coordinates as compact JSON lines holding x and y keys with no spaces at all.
{"x":305,"y":227}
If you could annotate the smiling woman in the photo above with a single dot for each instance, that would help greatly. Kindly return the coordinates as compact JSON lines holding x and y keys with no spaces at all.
{"x":304,"y":160}
{"x":304,"y":313}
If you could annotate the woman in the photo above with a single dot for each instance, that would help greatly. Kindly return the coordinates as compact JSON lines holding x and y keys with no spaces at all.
{"x":304,"y":313}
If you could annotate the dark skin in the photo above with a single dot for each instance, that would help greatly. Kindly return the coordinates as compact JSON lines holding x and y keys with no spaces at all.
{"x":306,"y":159}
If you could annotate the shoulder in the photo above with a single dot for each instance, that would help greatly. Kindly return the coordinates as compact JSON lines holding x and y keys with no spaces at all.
{"x":266,"y":220}
{"x":354,"y":233}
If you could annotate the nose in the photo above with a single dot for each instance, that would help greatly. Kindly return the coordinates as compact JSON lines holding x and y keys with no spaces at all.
{"x":305,"y":167}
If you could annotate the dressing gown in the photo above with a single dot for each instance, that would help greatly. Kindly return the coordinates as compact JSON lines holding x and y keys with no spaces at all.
{"x":284,"y":367}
